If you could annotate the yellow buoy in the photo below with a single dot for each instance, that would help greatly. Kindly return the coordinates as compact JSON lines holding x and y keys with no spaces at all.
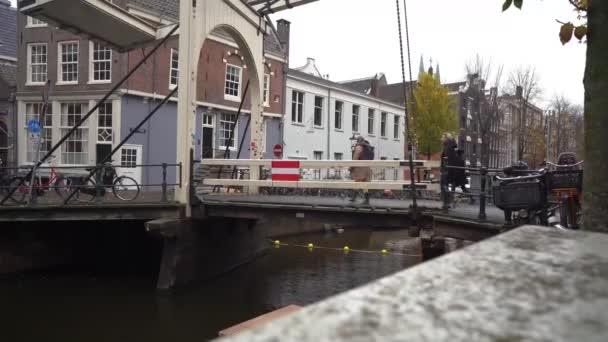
{"x":346,"y":248}
{"x":310,"y":245}
{"x":384,"y":251}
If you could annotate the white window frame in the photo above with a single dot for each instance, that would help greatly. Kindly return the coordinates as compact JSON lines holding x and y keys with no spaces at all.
{"x":396,"y":127}
{"x":371,"y":129}
{"x":298,"y":105}
{"x":266,"y":92}
{"x":229,"y":97}
{"x":60,"y":63}
{"x":84,"y":131}
{"x":101,"y":128}
{"x":30,"y":22}
{"x":175,"y":54}
{"x":47,"y":130}
{"x":321,"y":109}
{"x":235,"y":136}
{"x":356,"y":117}
{"x":30,"y":65}
{"x":92,"y":62}
{"x":341,"y":112}
{"x":383,"y":122}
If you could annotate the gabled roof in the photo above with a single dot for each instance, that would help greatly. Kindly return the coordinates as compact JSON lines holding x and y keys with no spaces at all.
{"x":8,"y":30}
{"x":169,"y":9}
{"x":335,"y":85}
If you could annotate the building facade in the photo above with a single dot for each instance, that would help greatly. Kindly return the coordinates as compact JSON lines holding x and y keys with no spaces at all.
{"x":8,"y":82}
{"x":82,"y":71}
{"x":523,"y":124}
{"x":322,"y":118}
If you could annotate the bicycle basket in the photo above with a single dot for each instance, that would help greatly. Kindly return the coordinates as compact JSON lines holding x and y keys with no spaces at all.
{"x":108,"y":174}
{"x":570,"y":179}
{"x":520,"y":195}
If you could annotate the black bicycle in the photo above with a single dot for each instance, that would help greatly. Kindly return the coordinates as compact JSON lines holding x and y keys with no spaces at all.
{"x":123,"y":187}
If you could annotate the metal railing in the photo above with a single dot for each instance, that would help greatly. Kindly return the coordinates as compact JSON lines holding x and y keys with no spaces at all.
{"x":54,"y":184}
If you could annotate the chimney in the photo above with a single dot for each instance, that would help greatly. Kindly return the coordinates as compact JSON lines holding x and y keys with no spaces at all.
{"x":519,"y":91}
{"x":283,"y":31}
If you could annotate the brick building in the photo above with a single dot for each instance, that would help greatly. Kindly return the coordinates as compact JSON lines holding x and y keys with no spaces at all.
{"x":82,"y":71}
{"x":8,"y":82}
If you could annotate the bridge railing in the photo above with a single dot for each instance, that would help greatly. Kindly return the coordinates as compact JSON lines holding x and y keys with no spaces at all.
{"x":53,"y":185}
{"x":317,"y":177}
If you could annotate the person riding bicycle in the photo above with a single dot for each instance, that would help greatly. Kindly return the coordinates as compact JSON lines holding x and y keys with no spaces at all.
{"x":362,"y":151}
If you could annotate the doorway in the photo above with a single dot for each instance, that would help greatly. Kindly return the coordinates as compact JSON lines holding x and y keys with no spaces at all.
{"x":130,"y":158}
{"x":207,"y":151}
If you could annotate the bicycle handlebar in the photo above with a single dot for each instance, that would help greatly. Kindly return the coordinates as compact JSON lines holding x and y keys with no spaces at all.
{"x":530,"y":177}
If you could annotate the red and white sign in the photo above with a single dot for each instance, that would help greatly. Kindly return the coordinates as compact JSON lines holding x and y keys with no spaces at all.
{"x":278,"y":150}
{"x":286,"y":170}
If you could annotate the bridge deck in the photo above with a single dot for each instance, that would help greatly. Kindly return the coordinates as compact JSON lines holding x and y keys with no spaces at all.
{"x":464,"y":211}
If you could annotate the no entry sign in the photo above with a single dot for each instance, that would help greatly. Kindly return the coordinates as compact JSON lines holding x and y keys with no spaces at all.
{"x":278,"y":150}
{"x":286,"y":170}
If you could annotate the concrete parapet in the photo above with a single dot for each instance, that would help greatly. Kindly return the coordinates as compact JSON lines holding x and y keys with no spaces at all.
{"x":532,"y":284}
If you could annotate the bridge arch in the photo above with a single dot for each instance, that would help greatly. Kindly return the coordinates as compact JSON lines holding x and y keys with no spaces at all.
{"x":197,"y":20}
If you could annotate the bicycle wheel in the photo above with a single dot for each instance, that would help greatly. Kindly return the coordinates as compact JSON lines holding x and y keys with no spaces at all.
{"x":125,"y":188}
{"x":85,"y":193}
{"x":20,"y":187}
{"x":63,"y":187}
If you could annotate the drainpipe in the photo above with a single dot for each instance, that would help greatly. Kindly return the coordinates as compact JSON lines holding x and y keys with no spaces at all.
{"x":328,"y":123}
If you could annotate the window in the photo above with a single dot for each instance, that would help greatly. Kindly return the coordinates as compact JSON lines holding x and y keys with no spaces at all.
{"x":32,"y":112}
{"x":297,"y":107}
{"x":317,"y":155}
{"x":338,"y":115}
{"x":396,"y":127}
{"x":37,"y":60}
{"x":232,"y":90}
{"x":75,"y":150}
{"x":104,"y":124}
{"x":318,"y":111}
{"x":338,"y":171}
{"x":267,"y":90}
{"x":396,"y":171}
{"x":355,"y":118}
{"x":227,"y":125}
{"x":383,"y":124}
{"x":371,"y":116}
{"x":128,"y":157}
{"x":174,"y":69}
{"x":33,"y":22}
{"x":101,"y":63}
{"x":68,"y":62}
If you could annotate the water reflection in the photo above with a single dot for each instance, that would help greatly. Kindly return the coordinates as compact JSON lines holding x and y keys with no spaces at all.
{"x":69,"y":307}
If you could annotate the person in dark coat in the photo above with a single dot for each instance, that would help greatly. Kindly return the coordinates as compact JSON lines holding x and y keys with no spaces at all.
{"x":448,"y":158}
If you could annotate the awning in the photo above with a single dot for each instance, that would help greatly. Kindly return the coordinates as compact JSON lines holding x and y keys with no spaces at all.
{"x":98,"y":19}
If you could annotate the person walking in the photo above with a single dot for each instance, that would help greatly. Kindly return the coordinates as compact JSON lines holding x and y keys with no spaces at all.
{"x":459,"y":178}
{"x":448,"y":158}
{"x":362,"y":151}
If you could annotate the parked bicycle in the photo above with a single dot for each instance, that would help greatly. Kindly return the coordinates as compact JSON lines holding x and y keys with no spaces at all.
{"x":123,"y":187}
{"x":539,"y":197}
{"x":41,"y":186}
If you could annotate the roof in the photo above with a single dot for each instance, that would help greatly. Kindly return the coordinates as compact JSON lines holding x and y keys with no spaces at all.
{"x":394,"y":92}
{"x":8,"y":30}
{"x":336,"y":85}
{"x":170,"y":9}
{"x":8,"y":73}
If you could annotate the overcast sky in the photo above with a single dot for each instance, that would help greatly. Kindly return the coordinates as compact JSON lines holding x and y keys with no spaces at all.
{"x":357,"y":38}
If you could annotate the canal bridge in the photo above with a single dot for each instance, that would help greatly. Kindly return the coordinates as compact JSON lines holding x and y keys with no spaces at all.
{"x":196,"y":214}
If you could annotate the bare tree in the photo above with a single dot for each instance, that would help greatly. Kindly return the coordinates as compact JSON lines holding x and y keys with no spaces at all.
{"x":488,"y":121}
{"x":524,"y":83}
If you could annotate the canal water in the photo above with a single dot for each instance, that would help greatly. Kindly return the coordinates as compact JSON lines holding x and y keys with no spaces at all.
{"x":69,"y":306}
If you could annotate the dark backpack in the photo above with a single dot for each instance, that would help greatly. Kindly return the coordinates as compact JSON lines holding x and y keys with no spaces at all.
{"x":368,"y":152}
